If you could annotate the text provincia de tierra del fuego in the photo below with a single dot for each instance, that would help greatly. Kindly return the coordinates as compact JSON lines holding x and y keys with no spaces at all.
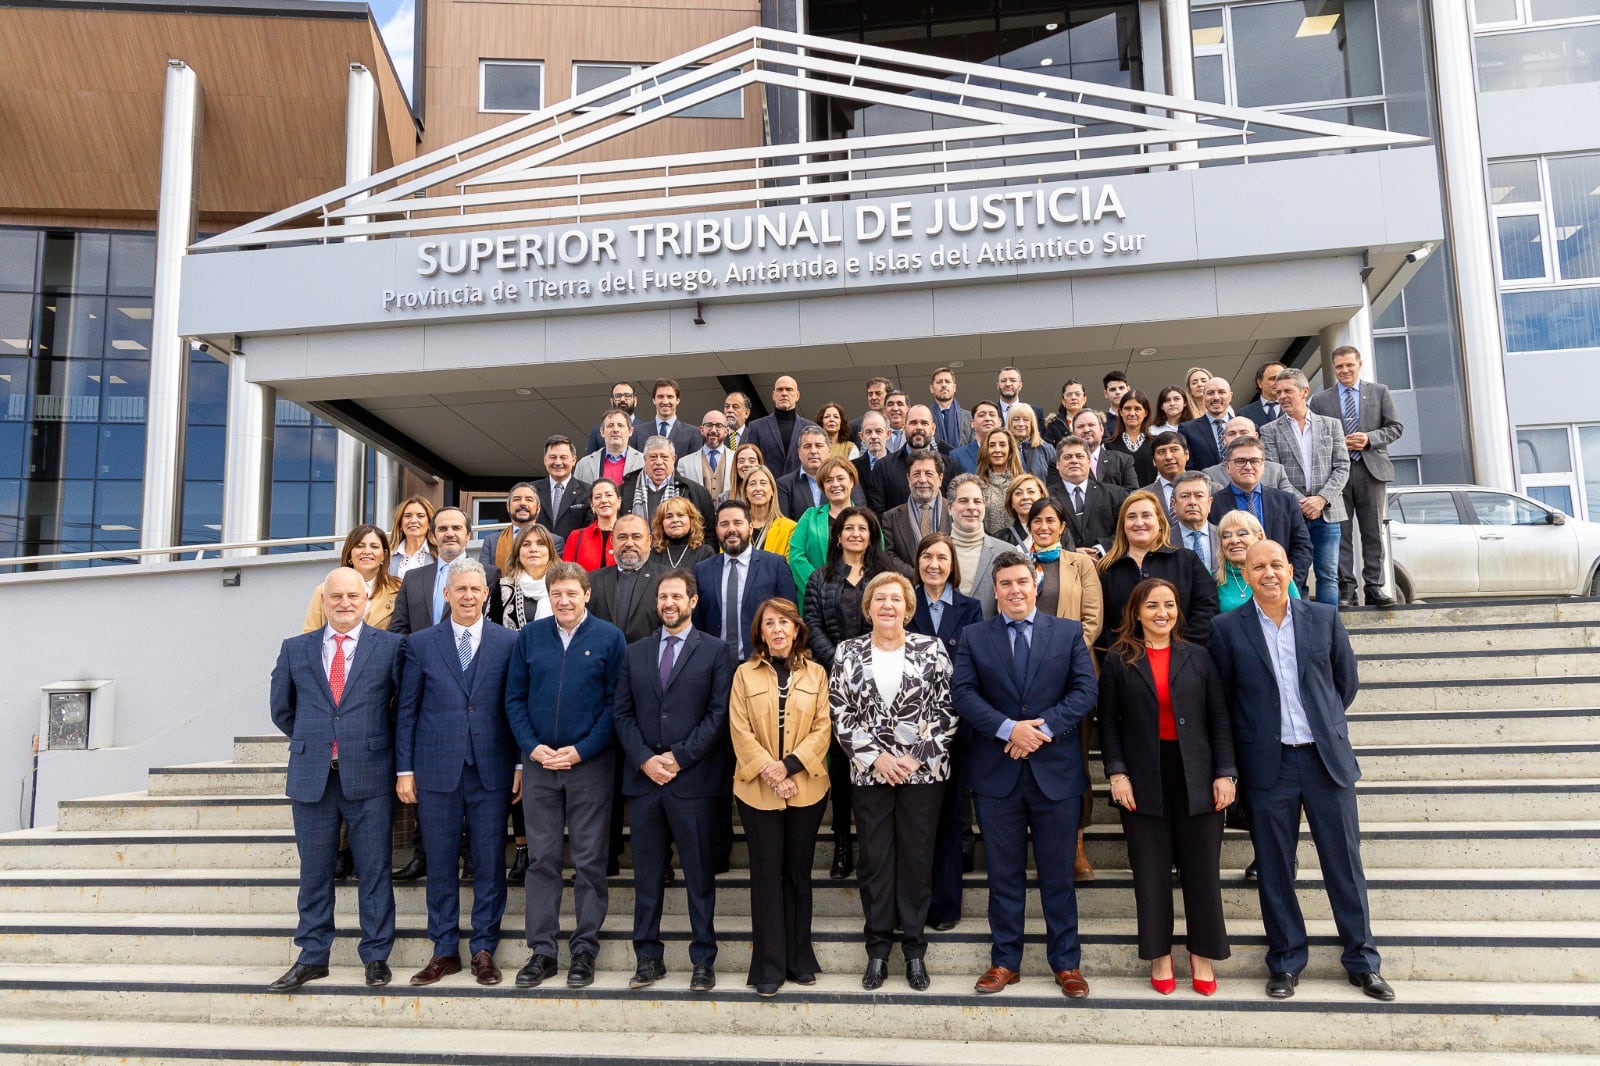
{"x":792,"y":244}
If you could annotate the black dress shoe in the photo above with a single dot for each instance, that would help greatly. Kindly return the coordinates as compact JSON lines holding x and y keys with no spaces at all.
{"x":1379,"y":598}
{"x":417,"y":867}
{"x":1281,"y":985}
{"x":944,"y":925}
{"x":917,"y":975}
{"x":344,"y":865}
{"x":297,"y":975}
{"x":844,"y":862}
{"x":540,"y":968}
{"x":1348,"y":601}
{"x":378,"y":974}
{"x":876,"y":974}
{"x":805,"y":979}
{"x":704,"y":979}
{"x":581,"y":973}
{"x":766,"y":990}
{"x":647,"y":973}
{"x":1250,"y":871}
{"x":519,"y":864}
{"x":1373,"y":985}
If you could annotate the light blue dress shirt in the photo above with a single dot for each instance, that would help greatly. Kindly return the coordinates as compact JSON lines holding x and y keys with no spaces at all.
{"x":1293,"y":725}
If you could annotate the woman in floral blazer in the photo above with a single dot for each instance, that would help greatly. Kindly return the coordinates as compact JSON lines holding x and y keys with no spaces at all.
{"x":889,"y":695}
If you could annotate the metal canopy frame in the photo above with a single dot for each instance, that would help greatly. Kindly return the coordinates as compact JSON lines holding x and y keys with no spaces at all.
{"x":521,"y":173}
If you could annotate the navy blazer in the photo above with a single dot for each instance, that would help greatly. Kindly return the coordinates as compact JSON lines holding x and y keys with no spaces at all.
{"x":444,"y":712}
{"x":769,"y":575}
{"x":1282,"y":519}
{"x":685,"y":438}
{"x":780,"y":456}
{"x":963,"y":612}
{"x":1202,"y":442}
{"x":1060,"y":688}
{"x":1328,"y":685}
{"x":363,"y":722}
{"x":414,"y":606}
{"x":1257,"y":412}
{"x":688,"y":718}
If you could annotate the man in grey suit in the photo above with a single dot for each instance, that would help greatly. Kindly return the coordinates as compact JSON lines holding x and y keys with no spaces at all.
{"x":1312,"y":450}
{"x":1241,"y":426}
{"x":1191,"y":500}
{"x":1371,"y":424}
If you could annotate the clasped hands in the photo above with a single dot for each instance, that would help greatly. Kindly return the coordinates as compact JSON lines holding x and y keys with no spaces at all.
{"x":1027,"y":737}
{"x":776,"y":776}
{"x":895,"y":769}
{"x":555,"y":758}
{"x":661,"y":768}
{"x":405,"y":787}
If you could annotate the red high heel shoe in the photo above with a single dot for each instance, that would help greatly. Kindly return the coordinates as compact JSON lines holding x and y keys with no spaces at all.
{"x":1164,"y":985}
{"x":1205,"y":988}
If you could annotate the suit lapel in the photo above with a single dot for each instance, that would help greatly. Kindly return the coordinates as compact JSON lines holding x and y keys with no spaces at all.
{"x":1042,"y":626}
{"x":444,"y":636}
{"x":691,"y":641}
{"x":313,"y":651}
{"x":357,"y":661}
{"x":1252,"y":632}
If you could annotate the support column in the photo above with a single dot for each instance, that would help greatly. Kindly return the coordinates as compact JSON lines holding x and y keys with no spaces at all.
{"x":1356,"y":332}
{"x":1467,"y":221}
{"x":360,"y":149}
{"x":247,"y":476}
{"x":1177,"y":60}
{"x":176,"y":214}
{"x":386,"y":496}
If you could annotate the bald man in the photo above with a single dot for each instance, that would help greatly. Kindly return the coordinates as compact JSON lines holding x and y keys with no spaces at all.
{"x":778,"y":434}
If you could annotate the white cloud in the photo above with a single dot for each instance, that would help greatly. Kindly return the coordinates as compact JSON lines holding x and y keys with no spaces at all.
{"x":397,"y":33}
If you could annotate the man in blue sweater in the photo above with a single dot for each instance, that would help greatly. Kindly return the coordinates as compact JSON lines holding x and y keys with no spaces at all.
{"x":559,"y":690}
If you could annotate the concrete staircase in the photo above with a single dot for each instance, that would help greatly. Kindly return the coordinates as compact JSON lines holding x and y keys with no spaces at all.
{"x":144,"y":927}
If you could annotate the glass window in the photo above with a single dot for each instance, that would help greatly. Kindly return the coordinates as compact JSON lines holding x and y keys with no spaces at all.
{"x":1426,"y":508}
{"x":1521,"y":248}
{"x":72,"y":326}
{"x":1575,"y":209}
{"x":208,"y":390}
{"x":13,"y":450}
{"x":1558,"y":497}
{"x":1407,"y":470}
{"x":1394,"y":316}
{"x":1552,"y":10}
{"x":128,"y":328}
{"x":19,"y":253}
{"x":1485,"y":12}
{"x":1500,"y":509}
{"x":133,"y":264}
{"x":1296,"y":51}
{"x":1391,"y":358}
{"x":1569,"y":55}
{"x":202,"y":512}
{"x":124,"y":387}
{"x":587,"y":77}
{"x":204,"y":452}
{"x":117,"y":509}
{"x":291,"y":454}
{"x":75,"y":262}
{"x":510,"y":85}
{"x":1540,"y":320}
{"x":122,"y":452}
{"x":1514,"y":182}
{"x":1543,"y":451}
{"x":79,"y":445}
{"x":1589,"y":447}
{"x":324,"y":452}
{"x":728,"y":105}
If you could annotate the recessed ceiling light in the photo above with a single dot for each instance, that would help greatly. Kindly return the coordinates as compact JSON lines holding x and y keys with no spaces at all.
{"x":118,"y":380}
{"x":115,"y":528}
{"x":1210,"y":35}
{"x":21,"y":344}
{"x":1052,"y":26}
{"x":94,"y":378}
{"x":123,"y":345}
{"x":1046,"y":61}
{"x":524,"y":392}
{"x":141,"y":313}
{"x":1317,"y":25}
{"x":957,"y":364}
{"x":1148,"y":351}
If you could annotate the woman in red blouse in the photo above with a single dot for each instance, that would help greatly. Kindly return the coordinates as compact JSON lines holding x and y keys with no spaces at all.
{"x":1167,"y":743}
{"x":590,"y":547}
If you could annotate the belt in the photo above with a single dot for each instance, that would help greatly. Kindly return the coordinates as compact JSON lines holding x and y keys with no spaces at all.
{"x":1307,"y":744}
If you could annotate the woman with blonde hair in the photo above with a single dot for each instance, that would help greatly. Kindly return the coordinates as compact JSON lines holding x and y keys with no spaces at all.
{"x":411,"y":536}
{"x":1236,"y":531}
{"x":1021,"y":495}
{"x":770,"y":529}
{"x":779,"y":722}
{"x":998,"y":463}
{"x":1139,"y":549}
{"x":678,"y":532}
{"x":1194,"y":383}
{"x":1035,"y":456}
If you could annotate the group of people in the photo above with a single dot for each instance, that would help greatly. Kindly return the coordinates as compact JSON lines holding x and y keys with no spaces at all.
{"x":902,"y":622}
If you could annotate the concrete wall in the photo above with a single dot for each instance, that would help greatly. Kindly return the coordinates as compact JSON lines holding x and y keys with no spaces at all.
{"x":190,"y":659}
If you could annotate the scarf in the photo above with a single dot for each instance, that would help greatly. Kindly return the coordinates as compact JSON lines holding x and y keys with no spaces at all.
{"x":641,"y":494}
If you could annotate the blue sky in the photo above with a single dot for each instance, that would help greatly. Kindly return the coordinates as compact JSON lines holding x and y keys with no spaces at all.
{"x":394,"y":18}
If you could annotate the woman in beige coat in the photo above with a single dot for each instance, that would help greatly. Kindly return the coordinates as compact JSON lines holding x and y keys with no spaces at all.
{"x":778,"y":718}
{"x":366,"y":550}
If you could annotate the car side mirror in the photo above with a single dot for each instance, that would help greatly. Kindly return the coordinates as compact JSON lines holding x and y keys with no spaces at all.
{"x":1556,"y":518}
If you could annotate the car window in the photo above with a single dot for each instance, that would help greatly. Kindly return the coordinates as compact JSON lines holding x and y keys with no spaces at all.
{"x":1500,"y":509}
{"x":1426,"y":508}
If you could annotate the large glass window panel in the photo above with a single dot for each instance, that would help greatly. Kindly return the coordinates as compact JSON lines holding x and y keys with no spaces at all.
{"x":1391,"y":359}
{"x":324,"y":452}
{"x":1210,"y":79}
{"x":75,"y":262}
{"x":72,"y":326}
{"x":133,"y":264}
{"x":1521,"y":247}
{"x":125,"y":384}
{"x":1575,"y":208}
{"x":127,"y":328}
{"x":80,"y":446}
{"x":19,"y":253}
{"x":1543,"y":451}
{"x":13,"y":449}
{"x":1297,"y":51}
{"x":204,"y":453}
{"x":1556,"y":496}
{"x":291,"y":453}
{"x":1589,"y":447}
{"x":122,"y":452}
{"x":66,"y":390}
{"x":118,"y":504}
{"x":208,"y":391}
{"x":202,"y":512}
{"x":1566,"y":55}
{"x":1552,"y":10}
{"x":1514,"y":182}
{"x":1551,"y":319}
{"x":289,"y":502}
{"x":61,"y":511}
{"x":16,"y":324}
{"x":1485,"y":12}
{"x":511,"y":86}
{"x":13,"y":389}
{"x":1393,"y":316}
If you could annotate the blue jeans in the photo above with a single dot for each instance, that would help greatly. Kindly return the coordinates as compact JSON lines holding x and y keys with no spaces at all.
{"x":1325,"y":558}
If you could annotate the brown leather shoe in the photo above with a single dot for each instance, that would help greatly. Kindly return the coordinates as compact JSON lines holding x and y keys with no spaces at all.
{"x":438,"y":966}
{"x":1072,"y":984}
{"x":1081,"y":870}
{"x":484,"y":969}
{"x":994,"y":979}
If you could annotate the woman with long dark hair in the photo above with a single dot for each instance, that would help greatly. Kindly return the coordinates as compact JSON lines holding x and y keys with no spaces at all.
{"x":1167,"y":744}
{"x":590,"y":546}
{"x":366,"y":551}
{"x":1133,"y":416}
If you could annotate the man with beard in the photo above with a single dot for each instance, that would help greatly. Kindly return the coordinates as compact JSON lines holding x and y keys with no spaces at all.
{"x":623,"y":399}
{"x":522,"y":506}
{"x":888,"y":486}
{"x":734,"y":583}
{"x":1009,"y":385}
{"x":711,"y":466}
{"x":924,"y":511}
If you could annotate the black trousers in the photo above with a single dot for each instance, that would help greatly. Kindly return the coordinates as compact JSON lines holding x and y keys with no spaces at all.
{"x":1194,"y":841}
{"x":782,"y":845}
{"x":955,"y":825}
{"x":1365,"y":501}
{"x":896,"y":826}
{"x":839,"y":790}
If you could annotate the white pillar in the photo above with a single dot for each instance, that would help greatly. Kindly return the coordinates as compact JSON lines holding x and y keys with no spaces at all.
{"x":360,"y":149}
{"x":1467,"y":218}
{"x":1356,"y":332}
{"x":247,"y":478}
{"x":385,"y":490}
{"x":1177,"y":61}
{"x":176,"y":214}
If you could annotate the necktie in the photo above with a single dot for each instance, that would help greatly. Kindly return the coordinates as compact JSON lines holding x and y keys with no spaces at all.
{"x":1019,"y":647}
{"x":712,"y":455}
{"x":1166,"y":487}
{"x":336,"y":679}
{"x":1352,"y":416}
{"x":464,"y":649}
{"x":1193,"y":537}
{"x":1216,"y":427}
{"x":1272,"y":411}
{"x":555,"y":499}
{"x":1077,"y":499}
{"x":667,"y":657}
{"x":730,"y":605}
{"x":663,"y":429}
{"x":925,"y":520}
{"x":733,"y":438}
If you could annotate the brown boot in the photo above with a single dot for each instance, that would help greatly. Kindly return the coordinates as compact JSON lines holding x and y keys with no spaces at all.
{"x":1081,"y":870}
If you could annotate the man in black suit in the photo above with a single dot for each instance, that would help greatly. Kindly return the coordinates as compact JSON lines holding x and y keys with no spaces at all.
{"x":1191,"y":501}
{"x":1008,"y":384}
{"x":1170,"y":453}
{"x":420,"y":602}
{"x":625,"y":594}
{"x":873,"y":438}
{"x":563,"y":500}
{"x":1112,"y":468}
{"x":1289,"y":675}
{"x":778,"y":434}
{"x":1265,"y":408}
{"x":1204,"y":434}
{"x":801,"y":488}
{"x":672,"y":724}
{"x":685,"y":438}
{"x":623,"y":399}
{"x":644,"y":489}
{"x":877,"y":392}
{"x":1277,"y":511}
{"x":888,"y":486}
{"x":1091,"y":506}
{"x":1371,"y":424}
{"x":741,"y":569}
{"x":923,"y":512}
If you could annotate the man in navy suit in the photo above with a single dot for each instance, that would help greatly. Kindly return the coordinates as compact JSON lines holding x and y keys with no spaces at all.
{"x":778,"y":434}
{"x":754,"y":575}
{"x":1277,"y":511}
{"x":1024,"y":681}
{"x":672,"y":724}
{"x":1289,"y":675}
{"x":1265,"y":408}
{"x":1204,"y":434}
{"x":686,"y":439}
{"x":455,"y":757}
{"x":332,"y":694}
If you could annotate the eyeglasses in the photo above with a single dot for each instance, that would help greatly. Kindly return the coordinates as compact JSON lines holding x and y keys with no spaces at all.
{"x":1248,"y":462}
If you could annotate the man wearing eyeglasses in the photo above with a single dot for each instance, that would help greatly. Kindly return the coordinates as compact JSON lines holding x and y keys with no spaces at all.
{"x":1273,"y":476}
{"x":1277,"y":511}
{"x":623,"y":399}
{"x":710,"y":466}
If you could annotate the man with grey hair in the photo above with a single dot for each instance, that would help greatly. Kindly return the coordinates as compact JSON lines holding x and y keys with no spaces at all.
{"x":643,"y":490}
{"x":1242,"y":426}
{"x":1191,"y":502}
{"x":873,"y":438}
{"x":976,"y":551}
{"x":800,"y":490}
{"x":1313,"y":452}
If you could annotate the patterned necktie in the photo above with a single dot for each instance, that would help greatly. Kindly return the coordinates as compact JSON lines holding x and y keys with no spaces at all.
{"x":336,"y":680}
{"x":464,"y":649}
{"x":925,"y":519}
{"x":1216,"y":427}
{"x":667,"y":657}
{"x":1352,"y":416}
{"x":1019,"y":648}
{"x":555,"y":499}
{"x":1193,"y":537}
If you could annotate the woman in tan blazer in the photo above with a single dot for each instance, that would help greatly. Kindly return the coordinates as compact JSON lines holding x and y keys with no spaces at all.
{"x":366,"y":550}
{"x":1069,"y":587}
{"x":778,"y":718}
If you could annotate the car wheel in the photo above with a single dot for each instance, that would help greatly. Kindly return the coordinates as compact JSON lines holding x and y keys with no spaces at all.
{"x":1402,"y":591}
{"x":1594,"y":583}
